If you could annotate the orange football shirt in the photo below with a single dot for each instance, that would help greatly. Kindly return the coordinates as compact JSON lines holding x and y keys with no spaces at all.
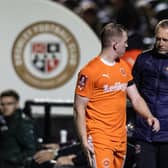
{"x":105,"y":86}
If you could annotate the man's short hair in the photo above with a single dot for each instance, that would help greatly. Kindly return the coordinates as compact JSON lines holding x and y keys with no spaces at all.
{"x":10,"y":93}
{"x":110,"y":32}
{"x":162,"y":24}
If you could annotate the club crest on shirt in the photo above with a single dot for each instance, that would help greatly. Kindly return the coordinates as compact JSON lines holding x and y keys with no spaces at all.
{"x":123,"y":72}
{"x":106,"y":163}
{"x":82,"y":81}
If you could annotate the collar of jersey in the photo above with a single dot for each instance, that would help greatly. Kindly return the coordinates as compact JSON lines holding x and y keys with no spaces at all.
{"x":107,"y":62}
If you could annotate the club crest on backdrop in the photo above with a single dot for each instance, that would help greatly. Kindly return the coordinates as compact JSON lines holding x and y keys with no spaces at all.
{"x":45,"y":55}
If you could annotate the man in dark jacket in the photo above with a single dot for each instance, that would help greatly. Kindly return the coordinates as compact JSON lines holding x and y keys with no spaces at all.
{"x":17,"y":139}
{"x":151,"y":76}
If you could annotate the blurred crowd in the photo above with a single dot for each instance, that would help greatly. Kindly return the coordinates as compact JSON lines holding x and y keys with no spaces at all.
{"x":139,"y":17}
{"x":136,"y":15}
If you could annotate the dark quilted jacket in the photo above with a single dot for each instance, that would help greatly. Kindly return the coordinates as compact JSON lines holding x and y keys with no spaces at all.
{"x":151,"y":77}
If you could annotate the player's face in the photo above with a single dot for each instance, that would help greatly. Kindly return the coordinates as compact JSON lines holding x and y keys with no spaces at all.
{"x":8,"y":105}
{"x":121,"y":44}
{"x":162,"y":40}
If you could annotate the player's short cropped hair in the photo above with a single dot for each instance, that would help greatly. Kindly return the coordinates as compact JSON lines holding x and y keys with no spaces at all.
{"x":110,"y":32}
{"x":10,"y":93}
{"x":162,"y":24}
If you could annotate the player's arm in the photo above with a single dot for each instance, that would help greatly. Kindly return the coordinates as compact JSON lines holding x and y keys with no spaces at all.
{"x":141,"y":107}
{"x":80,"y":105}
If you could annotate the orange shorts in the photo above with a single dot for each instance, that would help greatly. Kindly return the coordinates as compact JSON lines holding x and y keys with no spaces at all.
{"x":105,"y":157}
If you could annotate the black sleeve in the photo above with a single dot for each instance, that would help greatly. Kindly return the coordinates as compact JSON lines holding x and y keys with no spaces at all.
{"x":80,"y":159}
{"x":130,"y":83}
{"x":68,"y":150}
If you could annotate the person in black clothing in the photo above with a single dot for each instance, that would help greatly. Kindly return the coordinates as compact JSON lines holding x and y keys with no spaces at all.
{"x":17,"y":138}
{"x":151,"y":77}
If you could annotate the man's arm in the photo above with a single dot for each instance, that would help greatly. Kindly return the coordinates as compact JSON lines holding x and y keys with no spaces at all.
{"x":44,"y":155}
{"x":141,"y":107}
{"x":80,"y":105}
{"x":47,"y":154}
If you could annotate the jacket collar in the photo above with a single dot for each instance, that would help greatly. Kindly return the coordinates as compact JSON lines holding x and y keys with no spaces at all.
{"x":159,"y":55}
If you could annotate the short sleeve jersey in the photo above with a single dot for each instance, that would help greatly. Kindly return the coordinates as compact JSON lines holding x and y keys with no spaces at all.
{"x":105,"y":86}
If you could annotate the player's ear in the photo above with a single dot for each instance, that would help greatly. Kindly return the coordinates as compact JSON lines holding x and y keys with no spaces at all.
{"x":114,"y":45}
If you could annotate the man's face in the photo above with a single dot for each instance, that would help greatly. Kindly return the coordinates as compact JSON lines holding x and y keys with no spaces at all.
{"x":162,"y":40}
{"x":121,"y":44}
{"x":8,"y":105}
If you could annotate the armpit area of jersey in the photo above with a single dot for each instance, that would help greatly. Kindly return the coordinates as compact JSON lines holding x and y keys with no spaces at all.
{"x":130,"y":83}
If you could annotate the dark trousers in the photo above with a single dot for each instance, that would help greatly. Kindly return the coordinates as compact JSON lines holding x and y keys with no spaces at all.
{"x":153,"y":155}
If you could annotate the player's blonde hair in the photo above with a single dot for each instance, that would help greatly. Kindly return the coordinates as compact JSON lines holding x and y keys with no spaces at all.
{"x":110,"y":32}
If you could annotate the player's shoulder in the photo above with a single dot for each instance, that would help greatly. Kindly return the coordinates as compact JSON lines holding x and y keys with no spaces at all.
{"x":25,"y":117}
{"x":123,"y":63}
{"x":24,"y":121}
{"x":146,"y":53}
{"x":91,"y":66}
{"x":124,"y":67}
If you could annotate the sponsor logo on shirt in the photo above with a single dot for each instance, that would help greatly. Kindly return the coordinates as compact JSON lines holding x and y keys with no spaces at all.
{"x":116,"y":87}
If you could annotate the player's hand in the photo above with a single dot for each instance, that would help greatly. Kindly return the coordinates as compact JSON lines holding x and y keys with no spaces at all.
{"x":89,"y":151}
{"x":154,"y":123}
